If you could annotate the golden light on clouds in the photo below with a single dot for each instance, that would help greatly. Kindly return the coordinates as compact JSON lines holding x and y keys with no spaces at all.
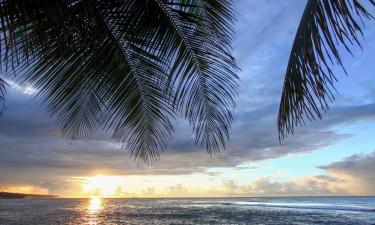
{"x":198,"y":185}
{"x":103,"y":186}
{"x":119,"y":186}
{"x":28,"y":189}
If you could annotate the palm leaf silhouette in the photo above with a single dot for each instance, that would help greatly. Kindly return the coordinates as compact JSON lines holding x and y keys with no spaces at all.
{"x":309,"y":80}
{"x":2,"y":93}
{"x":130,"y":66}
{"x":126,"y":66}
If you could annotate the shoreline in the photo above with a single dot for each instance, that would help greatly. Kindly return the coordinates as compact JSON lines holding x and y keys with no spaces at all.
{"x":11,"y":195}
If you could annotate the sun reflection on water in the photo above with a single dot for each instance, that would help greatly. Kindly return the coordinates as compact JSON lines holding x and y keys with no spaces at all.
{"x":95,"y":205}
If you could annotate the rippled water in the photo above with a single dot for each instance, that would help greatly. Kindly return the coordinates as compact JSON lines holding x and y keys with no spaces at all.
{"x":339,"y":210}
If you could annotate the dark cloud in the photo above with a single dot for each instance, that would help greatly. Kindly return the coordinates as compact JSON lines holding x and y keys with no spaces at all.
{"x":50,"y":159}
{"x":359,"y":169}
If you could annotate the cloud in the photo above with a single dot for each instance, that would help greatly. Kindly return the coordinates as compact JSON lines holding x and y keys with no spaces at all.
{"x":264,"y":186}
{"x":177,"y":190}
{"x":30,"y":189}
{"x":32,"y":151}
{"x":150,"y":191}
{"x":266,"y":22}
{"x":358,"y":170}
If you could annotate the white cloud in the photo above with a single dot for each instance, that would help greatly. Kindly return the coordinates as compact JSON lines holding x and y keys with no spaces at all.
{"x":305,"y":186}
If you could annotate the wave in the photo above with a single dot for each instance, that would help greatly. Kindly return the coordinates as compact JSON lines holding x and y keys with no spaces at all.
{"x":318,"y":206}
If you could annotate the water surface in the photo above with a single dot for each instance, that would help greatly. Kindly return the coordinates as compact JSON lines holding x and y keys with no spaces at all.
{"x":322,"y":210}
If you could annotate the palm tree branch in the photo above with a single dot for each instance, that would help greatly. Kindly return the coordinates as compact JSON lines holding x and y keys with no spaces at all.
{"x":144,"y":127}
{"x":196,"y":72}
{"x":3,"y":85}
{"x":309,"y":80}
{"x":126,"y":65}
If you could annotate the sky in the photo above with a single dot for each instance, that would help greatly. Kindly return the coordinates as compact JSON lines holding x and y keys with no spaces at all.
{"x":333,"y":156}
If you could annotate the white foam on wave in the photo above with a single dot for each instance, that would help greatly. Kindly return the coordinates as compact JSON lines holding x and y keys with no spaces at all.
{"x":319,"y":206}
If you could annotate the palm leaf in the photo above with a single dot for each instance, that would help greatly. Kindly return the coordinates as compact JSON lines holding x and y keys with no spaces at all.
{"x":2,"y":97}
{"x":309,"y":80}
{"x":203,"y":71}
{"x":126,"y":66}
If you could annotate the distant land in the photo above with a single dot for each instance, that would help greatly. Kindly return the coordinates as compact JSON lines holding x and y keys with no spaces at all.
{"x":21,"y":195}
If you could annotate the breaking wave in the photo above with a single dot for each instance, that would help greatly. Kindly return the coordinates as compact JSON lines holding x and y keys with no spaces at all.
{"x":318,"y":206}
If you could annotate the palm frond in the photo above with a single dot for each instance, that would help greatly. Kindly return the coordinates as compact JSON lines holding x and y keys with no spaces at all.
{"x":2,"y":95}
{"x":140,"y":111}
{"x":68,"y":69}
{"x":126,"y":66}
{"x":309,"y":80}
{"x":203,"y":72}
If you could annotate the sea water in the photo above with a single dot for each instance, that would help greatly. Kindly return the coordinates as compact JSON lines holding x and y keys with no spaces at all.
{"x":312,"y":210}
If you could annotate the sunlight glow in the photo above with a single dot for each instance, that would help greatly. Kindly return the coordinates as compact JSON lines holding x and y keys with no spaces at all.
{"x":95,"y":205}
{"x":103,"y":186}
{"x":26,"y":89}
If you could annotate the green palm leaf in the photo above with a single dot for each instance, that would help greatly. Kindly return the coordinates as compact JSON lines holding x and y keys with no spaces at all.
{"x":309,"y":80}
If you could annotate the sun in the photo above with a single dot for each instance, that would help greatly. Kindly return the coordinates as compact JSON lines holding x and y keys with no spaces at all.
{"x":103,"y":186}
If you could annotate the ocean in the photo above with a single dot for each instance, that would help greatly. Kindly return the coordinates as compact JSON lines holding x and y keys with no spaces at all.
{"x":311,"y":210}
